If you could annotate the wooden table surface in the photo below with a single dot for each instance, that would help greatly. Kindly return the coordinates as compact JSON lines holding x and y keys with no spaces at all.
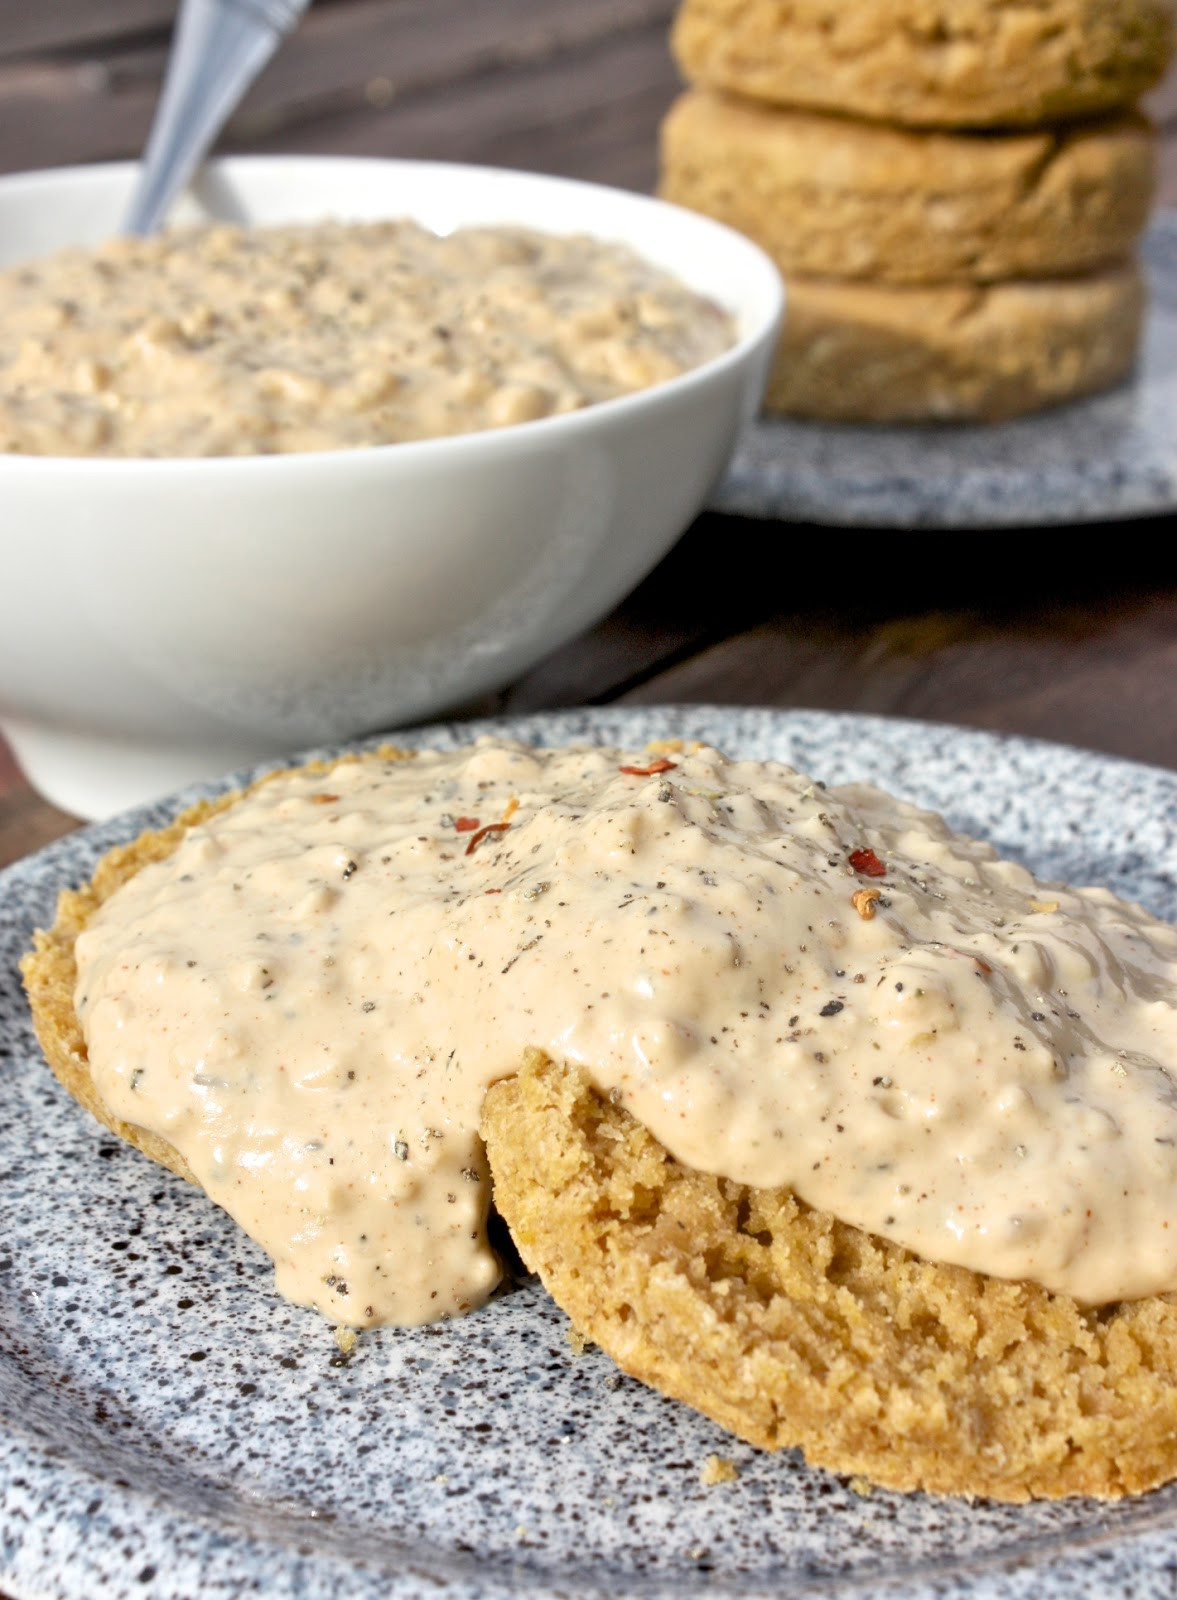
{"x":1069,"y":634}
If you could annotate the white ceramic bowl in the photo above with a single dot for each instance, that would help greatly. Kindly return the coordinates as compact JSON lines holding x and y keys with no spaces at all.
{"x":162,"y":621}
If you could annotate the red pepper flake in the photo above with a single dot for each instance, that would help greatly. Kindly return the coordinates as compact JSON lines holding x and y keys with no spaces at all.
{"x":477,"y":838}
{"x":866,"y":862}
{"x":651,"y":771}
{"x":323,"y":799}
{"x":465,"y":824}
{"x":492,"y":891}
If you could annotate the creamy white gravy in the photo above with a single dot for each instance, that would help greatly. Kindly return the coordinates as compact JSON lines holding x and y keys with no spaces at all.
{"x":232,"y":341}
{"x":788,"y":985}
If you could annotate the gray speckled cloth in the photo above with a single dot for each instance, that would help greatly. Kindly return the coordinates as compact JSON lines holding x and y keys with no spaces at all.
{"x":1097,"y":460}
{"x":170,"y":1428}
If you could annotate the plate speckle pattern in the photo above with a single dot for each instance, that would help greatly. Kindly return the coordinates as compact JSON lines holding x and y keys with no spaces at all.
{"x":1097,"y":460}
{"x":168,"y":1427}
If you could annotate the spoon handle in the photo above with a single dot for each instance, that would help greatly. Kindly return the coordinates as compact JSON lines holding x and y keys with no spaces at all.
{"x":220,"y":46}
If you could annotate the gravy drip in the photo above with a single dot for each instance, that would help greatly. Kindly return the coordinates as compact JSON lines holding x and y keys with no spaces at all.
{"x":825,"y":989}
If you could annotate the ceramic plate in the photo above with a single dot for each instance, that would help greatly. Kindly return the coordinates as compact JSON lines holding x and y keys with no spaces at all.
{"x":169,"y":1428}
{"x":1098,"y":460}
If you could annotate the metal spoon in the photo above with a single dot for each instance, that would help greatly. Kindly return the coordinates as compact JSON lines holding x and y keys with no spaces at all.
{"x":218,"y":49}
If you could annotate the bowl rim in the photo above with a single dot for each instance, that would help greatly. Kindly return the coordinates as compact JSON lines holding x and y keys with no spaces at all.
{"x":514,"y":435}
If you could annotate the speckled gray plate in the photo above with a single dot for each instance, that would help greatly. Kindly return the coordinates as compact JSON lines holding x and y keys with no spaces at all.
{"x":169,"y":1428}
{"x":1098,"y":460}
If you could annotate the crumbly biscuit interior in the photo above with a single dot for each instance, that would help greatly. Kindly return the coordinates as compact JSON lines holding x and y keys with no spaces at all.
{"x":792,"y":1329}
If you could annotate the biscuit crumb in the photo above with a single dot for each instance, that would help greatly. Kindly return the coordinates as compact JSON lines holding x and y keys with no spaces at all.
{"x":578,"y":1342}
{"x":861,"y":1486}
{"x":717,"y":1469}
{"x":345,"y":1338}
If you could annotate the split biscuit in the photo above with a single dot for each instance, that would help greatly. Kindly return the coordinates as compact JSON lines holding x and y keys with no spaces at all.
{"x":784,"y":1325}
{"x":930,"y":63}
{"x":831,"y":198}
{"x":864,"y":353}
{"x":793,"y":1329}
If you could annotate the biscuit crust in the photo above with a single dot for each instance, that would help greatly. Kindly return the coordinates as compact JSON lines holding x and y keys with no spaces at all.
{"x":930,"y":63}
{"x":830,"y":198}
{"x":792,"y":1329}
{"x":870,"y":353}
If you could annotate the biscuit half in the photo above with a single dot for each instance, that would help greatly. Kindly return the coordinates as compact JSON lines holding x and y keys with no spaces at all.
{"x":868,"y":353}
{"x":930,"y":63}
{"x":831,"y":198}
{"x":792,"y":1329}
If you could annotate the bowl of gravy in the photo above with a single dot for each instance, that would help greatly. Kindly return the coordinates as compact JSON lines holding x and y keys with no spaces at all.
{"x":351,"y":443}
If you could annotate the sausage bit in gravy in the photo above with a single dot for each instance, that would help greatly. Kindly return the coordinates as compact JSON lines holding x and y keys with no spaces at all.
{"x":789,"y":985}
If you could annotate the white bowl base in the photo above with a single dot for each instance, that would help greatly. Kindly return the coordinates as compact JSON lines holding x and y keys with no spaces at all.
{"x":95,"y":777}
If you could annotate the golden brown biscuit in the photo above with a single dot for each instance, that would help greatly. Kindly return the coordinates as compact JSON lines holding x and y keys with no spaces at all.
{"x":861,"y":353}
{"x":790,"y":1328}
{"x":930,"y":63}
{"x":831,"y":198}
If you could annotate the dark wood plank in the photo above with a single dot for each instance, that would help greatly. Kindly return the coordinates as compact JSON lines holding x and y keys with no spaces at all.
{"x":77,"y":24}
{"x":379,"y":77}
{"x":26,"y":821}
{"x":74,"y":27}
{"x":591,"y":114}
{"x":1088,"y":658}
{"x":376,"y":52}
{"x":558,"y":86}
{"x":696,"y":597}
{"x":943,"y":673}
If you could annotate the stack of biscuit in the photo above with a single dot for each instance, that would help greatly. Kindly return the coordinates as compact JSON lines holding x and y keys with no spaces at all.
{"x":953,"y":190}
